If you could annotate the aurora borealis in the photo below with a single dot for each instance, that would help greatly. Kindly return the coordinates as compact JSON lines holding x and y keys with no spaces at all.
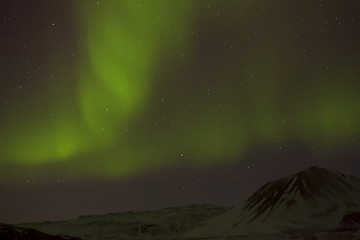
{"x":110,"y":90}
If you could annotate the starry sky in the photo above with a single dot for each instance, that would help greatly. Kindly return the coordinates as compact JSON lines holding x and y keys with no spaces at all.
{"x":116,"y":105}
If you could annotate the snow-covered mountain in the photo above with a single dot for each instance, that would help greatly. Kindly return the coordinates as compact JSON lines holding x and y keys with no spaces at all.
{"x":315,"y":199}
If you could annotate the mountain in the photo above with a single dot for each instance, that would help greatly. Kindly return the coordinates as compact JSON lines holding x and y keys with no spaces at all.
{"x":164,"y":223}
{"x":314,"y":204}
{"x":11,"y":232}
{"x":312,"y":200}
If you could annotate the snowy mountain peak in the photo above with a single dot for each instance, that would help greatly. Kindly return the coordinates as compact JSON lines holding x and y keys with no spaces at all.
{"x":313,"y":199}
{"x":311,"y":188}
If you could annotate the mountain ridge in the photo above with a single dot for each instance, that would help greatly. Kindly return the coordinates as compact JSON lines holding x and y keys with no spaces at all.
{"x":161,"y":223}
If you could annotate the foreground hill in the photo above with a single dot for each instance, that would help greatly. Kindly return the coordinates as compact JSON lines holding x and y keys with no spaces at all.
{"x":11,"y":232}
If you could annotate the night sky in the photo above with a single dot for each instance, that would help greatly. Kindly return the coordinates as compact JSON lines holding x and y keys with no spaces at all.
{"x":116,"y":105}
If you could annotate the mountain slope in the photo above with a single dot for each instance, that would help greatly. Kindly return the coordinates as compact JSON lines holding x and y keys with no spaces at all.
{"x":314,"y":199}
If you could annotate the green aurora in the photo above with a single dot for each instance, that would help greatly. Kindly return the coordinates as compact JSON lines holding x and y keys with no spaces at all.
{"x":157,"y":81}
